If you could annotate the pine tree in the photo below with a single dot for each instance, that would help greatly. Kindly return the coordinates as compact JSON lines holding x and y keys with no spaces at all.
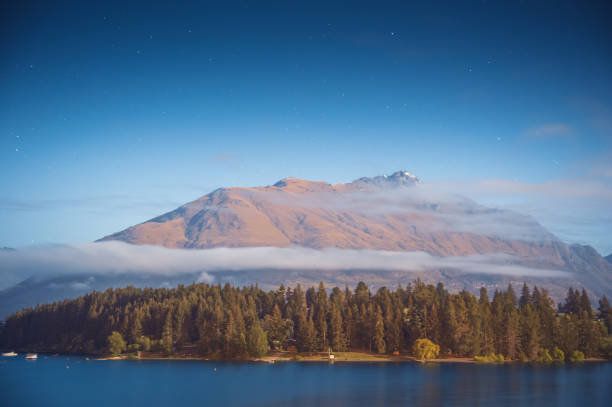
{"x":525,"y":296}
{"x":511,"y":324}
{"x":238,"y":344}
{"x":566,"y":334}
{"x":605,"y":314}
{"x":320,"y":317}
{"x":362,"y":294}
{"x":179,"y":324}
{"x":571,"y":304}
{"x":544,"y":307}
{"x":379,"y":332}
{"x":475,"y":322}
{"x":167,"y":334}
{"x":276,"y":326}
{"x":393,"y":329}
{"x":487,"y":344}
{"x":229,"y":334}
{"x":337,"y":337}
{"x":136,"y":328}
{"x":449,"y":327}
{"x":349,"y":325}
{"x":511,"y":296}
{"x":305,"y":338}
{"x":529,"y":334}
{"x":585,"y":304}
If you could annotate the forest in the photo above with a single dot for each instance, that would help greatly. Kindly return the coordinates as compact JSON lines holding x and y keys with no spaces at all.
{"x":246,"y":322}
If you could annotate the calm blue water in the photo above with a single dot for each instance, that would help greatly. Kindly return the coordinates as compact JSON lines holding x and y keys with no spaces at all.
{"x":47,"y":382}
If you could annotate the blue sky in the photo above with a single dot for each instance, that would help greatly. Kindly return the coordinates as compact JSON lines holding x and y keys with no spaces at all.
{"x":111,"y":114}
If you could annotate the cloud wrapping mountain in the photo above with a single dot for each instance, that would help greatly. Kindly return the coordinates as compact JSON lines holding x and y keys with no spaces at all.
{"x":122,"y":258}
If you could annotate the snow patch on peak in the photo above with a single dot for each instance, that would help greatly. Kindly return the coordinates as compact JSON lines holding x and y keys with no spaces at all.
{"x":405,"y":174}
{"x":397,"y":179}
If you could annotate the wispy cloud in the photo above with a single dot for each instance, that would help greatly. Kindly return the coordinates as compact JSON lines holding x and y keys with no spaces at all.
{"x":227,"y":159}
{"x":602,"y":166}
{"x":562,"y":188}
{"x":122,"y":258}
{"x":549,"y":130}
{"x":577,"y":210}
{"x":108,"y":203}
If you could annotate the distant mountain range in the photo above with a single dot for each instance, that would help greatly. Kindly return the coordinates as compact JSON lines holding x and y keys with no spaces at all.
{"x":609,"y":258}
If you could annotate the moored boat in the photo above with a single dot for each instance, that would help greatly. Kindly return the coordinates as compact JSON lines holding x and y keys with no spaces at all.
{"x":8,"y":354}
{"x":31,"y":356}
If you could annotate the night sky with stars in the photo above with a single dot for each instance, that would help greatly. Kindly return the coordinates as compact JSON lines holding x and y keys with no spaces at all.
{"x":114,"y":112}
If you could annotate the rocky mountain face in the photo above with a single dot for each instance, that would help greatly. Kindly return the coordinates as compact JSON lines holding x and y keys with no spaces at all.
{"x":609,"y":258}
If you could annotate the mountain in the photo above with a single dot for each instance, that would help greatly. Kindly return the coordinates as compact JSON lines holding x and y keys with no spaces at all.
{"x":609,"y":258}
{"x":392,"y":213}
{"x":381,"y":213}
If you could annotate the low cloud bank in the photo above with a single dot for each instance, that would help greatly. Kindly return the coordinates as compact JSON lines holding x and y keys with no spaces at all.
{"x":122,"y":258}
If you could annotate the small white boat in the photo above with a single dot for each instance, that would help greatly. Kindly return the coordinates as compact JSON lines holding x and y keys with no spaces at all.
{"x":9,"y":354}
{"x":31,"y":356}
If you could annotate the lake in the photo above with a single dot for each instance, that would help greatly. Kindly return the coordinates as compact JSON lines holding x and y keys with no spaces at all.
{"x":75,"y":381}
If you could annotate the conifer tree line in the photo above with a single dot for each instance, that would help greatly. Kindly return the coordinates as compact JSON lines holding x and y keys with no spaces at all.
{"x":231,"y":322}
